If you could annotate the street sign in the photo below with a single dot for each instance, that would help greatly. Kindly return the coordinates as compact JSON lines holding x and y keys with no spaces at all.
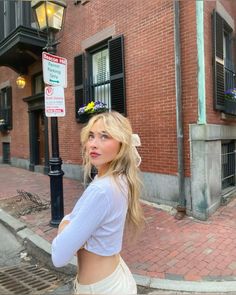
{"x":54,"y":101}
{"x":54,"y":70}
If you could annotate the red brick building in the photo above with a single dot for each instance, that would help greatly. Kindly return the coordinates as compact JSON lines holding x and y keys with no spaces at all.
{"x":165,"y":64}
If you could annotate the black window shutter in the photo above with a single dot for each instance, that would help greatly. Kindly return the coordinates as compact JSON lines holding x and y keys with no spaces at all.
{"x":9,"y":107}
{"x":27,"y":12}
{"x":218,"y":61}
{"x":79,"y":82}
{"x":1,"y":20}
{"x":12,"y":16}
{"x":117,"y":74}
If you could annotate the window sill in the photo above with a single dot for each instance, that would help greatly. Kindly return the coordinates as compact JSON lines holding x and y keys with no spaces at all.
{"x":228,"y":117}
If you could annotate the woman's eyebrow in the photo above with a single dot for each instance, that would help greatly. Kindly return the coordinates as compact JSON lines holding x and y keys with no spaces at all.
{"x":100,"y":132}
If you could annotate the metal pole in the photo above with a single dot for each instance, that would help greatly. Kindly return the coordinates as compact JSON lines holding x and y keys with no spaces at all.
{"x":55,"y":173}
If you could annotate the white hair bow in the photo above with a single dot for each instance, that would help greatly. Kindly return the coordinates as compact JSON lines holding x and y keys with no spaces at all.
{"x":136,"y":142}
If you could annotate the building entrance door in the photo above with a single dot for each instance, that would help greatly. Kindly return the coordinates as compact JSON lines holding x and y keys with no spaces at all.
{"x":40,"y":131}
{"x":38,"y":134}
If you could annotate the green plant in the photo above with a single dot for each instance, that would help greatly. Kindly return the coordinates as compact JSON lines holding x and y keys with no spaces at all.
{"x":230,"y":94}
{"x":92,"y":108}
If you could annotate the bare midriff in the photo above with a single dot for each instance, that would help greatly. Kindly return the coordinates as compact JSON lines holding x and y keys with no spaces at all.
{"x":93,"y":268}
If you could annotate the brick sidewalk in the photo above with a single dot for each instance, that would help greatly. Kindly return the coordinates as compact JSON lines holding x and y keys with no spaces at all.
{"x":187,"y":249}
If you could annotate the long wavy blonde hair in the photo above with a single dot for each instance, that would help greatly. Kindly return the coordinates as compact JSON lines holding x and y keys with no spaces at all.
{"x":125,"y":162}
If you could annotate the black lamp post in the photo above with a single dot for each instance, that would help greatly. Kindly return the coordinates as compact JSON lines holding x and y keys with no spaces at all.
{"x":49,"y":16}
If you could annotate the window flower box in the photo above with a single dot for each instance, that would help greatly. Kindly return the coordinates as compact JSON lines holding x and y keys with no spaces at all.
{"x":84,"y":118}
{"x":230,"y":107}
{"x":230,"y":102}
{"x":92,"y":108}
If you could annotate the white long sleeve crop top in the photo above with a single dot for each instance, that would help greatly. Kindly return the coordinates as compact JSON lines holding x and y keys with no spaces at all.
{"x":96,"y":222}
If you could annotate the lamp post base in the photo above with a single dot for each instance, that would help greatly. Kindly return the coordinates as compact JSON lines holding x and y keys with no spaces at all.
{"x":56,"y":188}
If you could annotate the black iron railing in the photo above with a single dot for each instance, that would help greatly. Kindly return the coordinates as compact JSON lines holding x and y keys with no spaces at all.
{"x":229,"y":78}
{"x":100,"y":91}
{"x":228,"y":164}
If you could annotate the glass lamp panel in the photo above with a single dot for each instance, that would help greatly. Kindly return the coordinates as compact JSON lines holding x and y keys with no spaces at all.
{"x":55,"y":15}
{"x":41,"y":16}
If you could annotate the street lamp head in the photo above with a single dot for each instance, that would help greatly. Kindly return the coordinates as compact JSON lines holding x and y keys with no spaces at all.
{"x":49,"y":15}
{"x":20,"y":81}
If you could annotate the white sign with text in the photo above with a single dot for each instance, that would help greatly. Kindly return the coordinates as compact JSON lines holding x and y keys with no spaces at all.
{"x":54,"y":70}
{"x":54,"y":101}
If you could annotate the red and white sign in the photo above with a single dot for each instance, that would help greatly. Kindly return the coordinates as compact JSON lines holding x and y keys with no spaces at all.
{"x":54,"y":70}
{"x":54,"y":101}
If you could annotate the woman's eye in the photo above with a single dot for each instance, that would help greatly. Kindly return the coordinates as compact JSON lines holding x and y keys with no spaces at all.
{"x":104,"y":136}
{"x":91,"y":137}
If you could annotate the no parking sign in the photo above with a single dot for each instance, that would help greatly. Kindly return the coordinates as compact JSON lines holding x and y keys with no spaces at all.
{"x":54,"y":101}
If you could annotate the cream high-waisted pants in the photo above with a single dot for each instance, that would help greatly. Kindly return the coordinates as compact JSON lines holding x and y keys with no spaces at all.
{"x":119,"y":282}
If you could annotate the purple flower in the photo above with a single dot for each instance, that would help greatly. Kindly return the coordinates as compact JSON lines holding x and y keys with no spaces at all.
{"x":93,"y":108}
{"x":230,"y":94}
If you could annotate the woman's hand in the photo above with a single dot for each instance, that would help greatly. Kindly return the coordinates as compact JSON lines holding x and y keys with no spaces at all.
{"x":62,"y":225}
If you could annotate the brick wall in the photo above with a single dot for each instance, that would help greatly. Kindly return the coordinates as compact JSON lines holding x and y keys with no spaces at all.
{"x":149,"y":67}
{"x":148,"y":29}
{"x":19,"y":143}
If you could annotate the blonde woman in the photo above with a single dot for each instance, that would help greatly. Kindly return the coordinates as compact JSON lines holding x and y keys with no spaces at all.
{"x":94,"y":229}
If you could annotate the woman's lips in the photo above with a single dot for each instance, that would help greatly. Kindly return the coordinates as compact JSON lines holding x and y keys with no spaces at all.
{"x":94,"y":154}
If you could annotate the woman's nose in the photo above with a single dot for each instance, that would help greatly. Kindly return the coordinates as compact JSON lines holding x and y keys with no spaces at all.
{"x":93,"y":142}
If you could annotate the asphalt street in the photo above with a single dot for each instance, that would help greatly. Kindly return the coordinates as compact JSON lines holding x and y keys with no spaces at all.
{"x":10,"y":249}
{"x":14,"y":256}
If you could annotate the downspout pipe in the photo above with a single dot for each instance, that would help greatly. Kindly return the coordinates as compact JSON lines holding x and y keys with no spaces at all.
{"x":181,"y":207}
{"x":201,"y":62}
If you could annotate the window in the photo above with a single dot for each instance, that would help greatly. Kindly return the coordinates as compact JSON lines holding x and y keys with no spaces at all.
{"x":99,"y":75}
{"x":100,"y":86}
{"x":14,"y":14}
{"x":6,"y":108}
{"x":6,"y":157}
{"x":224,"y":69}
{"x":228,"y":164}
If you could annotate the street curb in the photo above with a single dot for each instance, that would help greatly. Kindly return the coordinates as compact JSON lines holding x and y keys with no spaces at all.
{"x":13,"y":224}
{"x":37,"y":246}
